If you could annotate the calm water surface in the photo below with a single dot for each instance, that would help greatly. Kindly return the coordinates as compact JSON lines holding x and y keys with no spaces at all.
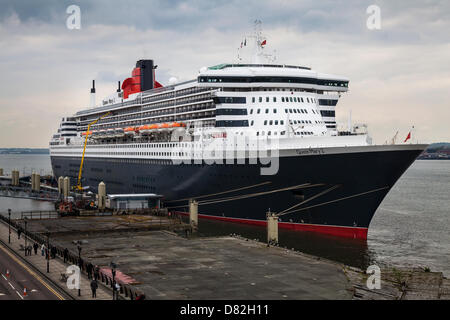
{"x":410,"y":228}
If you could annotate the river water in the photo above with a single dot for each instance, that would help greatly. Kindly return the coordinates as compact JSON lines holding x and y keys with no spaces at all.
{"x":410,"y":228}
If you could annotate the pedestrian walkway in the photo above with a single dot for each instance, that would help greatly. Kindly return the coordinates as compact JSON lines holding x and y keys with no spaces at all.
{"x":57,"y":267}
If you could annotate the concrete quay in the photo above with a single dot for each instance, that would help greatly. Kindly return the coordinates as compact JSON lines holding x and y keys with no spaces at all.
{"x":163,"y":265}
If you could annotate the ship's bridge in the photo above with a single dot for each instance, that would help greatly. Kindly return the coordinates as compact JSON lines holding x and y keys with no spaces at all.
{"x":267,"y":75}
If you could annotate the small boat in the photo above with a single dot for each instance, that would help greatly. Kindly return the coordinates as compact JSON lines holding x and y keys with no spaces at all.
{"x":130,"y":131}
{"x":110,"y":133}
{"x":145,"y":129}
{"x":119,"y":132}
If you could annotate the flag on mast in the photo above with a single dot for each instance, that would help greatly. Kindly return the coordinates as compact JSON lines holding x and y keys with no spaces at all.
{"x":263,"y":43}
{"x":408,"y":137}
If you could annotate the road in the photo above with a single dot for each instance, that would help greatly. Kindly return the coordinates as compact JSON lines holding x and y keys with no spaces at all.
{"x":22,"y":276}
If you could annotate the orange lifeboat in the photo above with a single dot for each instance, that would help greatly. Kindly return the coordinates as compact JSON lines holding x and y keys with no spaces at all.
{"x":129,"y":131}
{"x":87,"y":132}
{"x":178,"y":125}
{"x":145,"y":129}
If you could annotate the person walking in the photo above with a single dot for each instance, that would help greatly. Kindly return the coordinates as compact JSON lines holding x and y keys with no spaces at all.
{"x":96,"y":273}
{"x":43,"y":249}
{"x":89,"y":268}
{"x":116,"y":290}
{"x":35,"y":247}
{"x":94,"y":286}
{"x":65,"y":254}
{"x":19,"y":232}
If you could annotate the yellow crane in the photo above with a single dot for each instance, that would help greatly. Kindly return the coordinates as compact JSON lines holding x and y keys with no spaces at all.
{"x":78,"y":186}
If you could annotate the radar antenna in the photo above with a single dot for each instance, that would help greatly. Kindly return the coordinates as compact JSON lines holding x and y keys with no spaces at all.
{"x":260,"y":41}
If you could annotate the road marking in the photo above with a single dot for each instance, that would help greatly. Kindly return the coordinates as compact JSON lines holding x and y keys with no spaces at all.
{"x":2,"y":294}
{"x":5,"y":277}
{"x":11,"y":285}
{"x":32,"y":273}
{"x":19,"y":294}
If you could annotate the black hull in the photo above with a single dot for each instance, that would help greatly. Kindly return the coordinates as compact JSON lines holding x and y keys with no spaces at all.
{"x":355,"y":183}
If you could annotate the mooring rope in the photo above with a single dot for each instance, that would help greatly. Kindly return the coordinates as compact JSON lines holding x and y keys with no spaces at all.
{"x":222,"y":192}
{"x":336,"y":200}
{"x":206,"y":202}
{"x":282,"y":213}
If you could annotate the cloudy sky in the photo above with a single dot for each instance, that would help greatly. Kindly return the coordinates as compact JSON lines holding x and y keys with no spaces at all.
{"x":399,"y":75}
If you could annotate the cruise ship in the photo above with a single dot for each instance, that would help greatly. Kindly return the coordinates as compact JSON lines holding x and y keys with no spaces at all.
{"x":241,"y":139}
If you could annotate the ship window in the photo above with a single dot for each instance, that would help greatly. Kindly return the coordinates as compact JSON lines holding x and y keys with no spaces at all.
{"x":276,"y":122}
{"x":267,"y":99}
{"x":251,"y":111}
{"x":267,"y":110}
{"x":260,"y":99}
{"x":290,"y":110}
{"x":259,"y":111}
{"x":269,"y":133}
{"x":252,"y":123}
{"x":281,"y":121}
{"x":253,"y":99}
{"x":290,"y":99}
{"x":265,"y":122}
{"x":270,"y":122}
{"x":295,"y":99}
{"x":282,"y":99}
{"x":274,"y":99}
{"x":286,"y":110}
{"x":274,"y":110}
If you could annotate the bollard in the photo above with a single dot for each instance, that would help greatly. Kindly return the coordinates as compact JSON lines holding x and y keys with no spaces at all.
{"x":193,"y":214}
{"x":14,"y":178}
{"x":60,"y":185}
{"x":66,"y":187}
{"x":272,"y":228}
{"x":37,"y":182}
{"x":33,"y":181}
{"x":101,"y":195}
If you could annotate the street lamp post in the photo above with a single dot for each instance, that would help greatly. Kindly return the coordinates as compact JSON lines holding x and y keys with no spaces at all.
{"x":113,"y":272}
{"x":48,"y":252}
{"x":25,"y":236}
{"x":9,"y":223}
{"x":79,"y":265}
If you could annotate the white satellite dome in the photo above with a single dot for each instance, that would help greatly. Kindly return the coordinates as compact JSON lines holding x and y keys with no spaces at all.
{"x":173,"y":80}
{"x":203,"y":69}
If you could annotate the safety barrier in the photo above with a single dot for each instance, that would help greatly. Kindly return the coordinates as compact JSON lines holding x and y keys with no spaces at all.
{"x":127,"y":290}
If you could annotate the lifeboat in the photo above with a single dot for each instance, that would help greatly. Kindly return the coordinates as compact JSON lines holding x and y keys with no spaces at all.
{"x":119,"y":132}
{"x":162,"y":127}
{"x":110,"y":133}
{"x":178,"y":127}
{"x":95,"y":134}
{"x":86,"y":132}
{"x":145,"y":129}
{"x":130,"y":131}
{"x":102,"y":133}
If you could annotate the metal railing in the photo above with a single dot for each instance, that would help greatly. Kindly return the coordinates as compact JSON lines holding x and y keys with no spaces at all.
{"x":127,"y":290}
{"x":39,"y":215}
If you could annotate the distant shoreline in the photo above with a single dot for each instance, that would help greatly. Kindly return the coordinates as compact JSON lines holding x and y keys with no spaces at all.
{"x":24,"y":151}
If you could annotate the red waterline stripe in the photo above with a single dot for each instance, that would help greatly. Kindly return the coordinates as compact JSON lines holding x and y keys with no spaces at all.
{"x":340,"y":231}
